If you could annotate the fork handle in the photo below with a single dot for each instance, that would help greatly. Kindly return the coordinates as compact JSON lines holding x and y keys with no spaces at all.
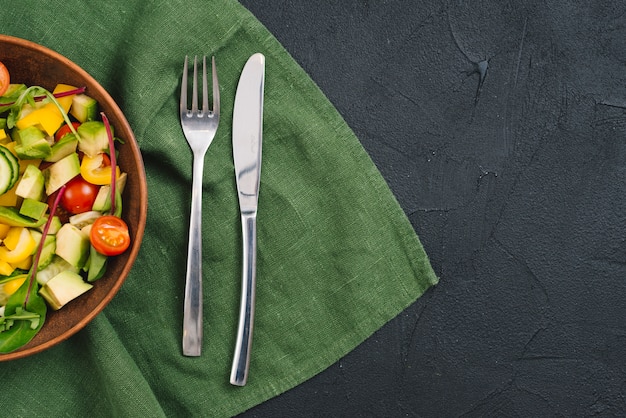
{"x":192,"y":308}
{"x":241,"y":359}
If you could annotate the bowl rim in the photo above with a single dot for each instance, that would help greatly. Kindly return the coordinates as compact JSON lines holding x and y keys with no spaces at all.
{"x":139,"y":230}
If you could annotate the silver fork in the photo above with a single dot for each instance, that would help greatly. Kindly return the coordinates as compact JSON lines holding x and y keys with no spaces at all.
{"x":199,"y":127}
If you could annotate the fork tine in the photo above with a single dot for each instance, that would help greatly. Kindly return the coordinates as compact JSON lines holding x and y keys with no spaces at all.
{"x":205,"y":92}
{"x":183,"y":89}
{"x":194,"y":93}
{"x":216,"y":89}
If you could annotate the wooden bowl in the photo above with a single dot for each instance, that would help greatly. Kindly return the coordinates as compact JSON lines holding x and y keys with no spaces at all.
{"x":33,"y":64}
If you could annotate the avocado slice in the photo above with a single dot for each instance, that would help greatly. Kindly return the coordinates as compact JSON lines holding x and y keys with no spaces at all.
{"x":32,"y":143}
{"x":72,"y":245}
{"x":93,"y":138}
{"x":84,"y":108}
{"x":64,"y":147}
{"x":31,"y":184}
{"x":54,"y":266}
{"x":63,"y":288}
{"x":61,"y":172}
{"x":47,"y":252}
{"x":33,"y":208}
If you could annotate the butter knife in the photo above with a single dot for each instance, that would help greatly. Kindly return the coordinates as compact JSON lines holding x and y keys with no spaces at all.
{"x":247,"y":141}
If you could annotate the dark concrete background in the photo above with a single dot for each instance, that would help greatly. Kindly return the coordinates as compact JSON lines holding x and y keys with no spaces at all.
{"x":500,"y":127}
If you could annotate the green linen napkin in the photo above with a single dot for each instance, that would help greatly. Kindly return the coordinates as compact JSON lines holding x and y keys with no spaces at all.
{"x":337,"y":258}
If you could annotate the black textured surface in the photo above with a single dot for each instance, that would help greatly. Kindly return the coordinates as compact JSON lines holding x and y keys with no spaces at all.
{"x":501,"y":129}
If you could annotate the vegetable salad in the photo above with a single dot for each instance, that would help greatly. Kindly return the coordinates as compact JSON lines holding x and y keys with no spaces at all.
{"x":60,"y":202}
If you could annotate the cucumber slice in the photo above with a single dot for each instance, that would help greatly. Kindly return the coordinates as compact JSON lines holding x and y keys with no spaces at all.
{"x":9,"y":170}
{"x":15,"y":163}
{"x":6,"y":173}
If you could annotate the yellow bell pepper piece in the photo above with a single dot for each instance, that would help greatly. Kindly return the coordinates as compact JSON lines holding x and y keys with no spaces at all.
{"x":12,"y":239}
{"x":25,"y":264}
{"x":11,"y":286}
{"x":48,"y":118}
{"x":23,"y":249}
{"x":3,"y":136}
{"x":92,"y":170}
{"x":4,"y":230}
{"x":9,"y":198}
{"x":5,"y":268}
{"x":66,"y":101}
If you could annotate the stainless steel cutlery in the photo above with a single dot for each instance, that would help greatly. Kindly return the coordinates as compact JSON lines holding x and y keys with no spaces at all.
{"x":199,"y":127}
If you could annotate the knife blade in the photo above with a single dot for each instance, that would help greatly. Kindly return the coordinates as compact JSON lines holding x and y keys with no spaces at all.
{"x":247,"y":144}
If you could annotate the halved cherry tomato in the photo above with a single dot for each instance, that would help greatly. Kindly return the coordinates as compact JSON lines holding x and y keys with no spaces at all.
{"x":5,"y":79}
{"x":64,"y":130}
{"x":109,"y":235}
{"x":79,"y":195}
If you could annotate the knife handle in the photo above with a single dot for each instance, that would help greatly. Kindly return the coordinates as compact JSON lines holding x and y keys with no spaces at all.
{"x":192,"y":305}
{"x":241,"y":359}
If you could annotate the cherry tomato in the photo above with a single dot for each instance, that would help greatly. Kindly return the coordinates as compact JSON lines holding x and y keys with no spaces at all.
{"x":64,"y":130}
{"x":5,"y":79}
{"x":109,"y":235}
{"x":79,"y":195}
